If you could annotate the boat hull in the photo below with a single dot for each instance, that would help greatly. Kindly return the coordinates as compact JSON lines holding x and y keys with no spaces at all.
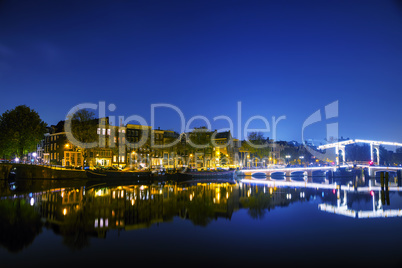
{"x":117,"y":174}
{"x":212,"y":174}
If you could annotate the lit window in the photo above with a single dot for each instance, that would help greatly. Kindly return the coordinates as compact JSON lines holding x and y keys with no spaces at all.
{"x":108,"y":131}
{"x":99,"y":131}
{"x":103,"y":131}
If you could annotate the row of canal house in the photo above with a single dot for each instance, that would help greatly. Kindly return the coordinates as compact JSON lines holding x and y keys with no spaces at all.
{"x":119,"y":146}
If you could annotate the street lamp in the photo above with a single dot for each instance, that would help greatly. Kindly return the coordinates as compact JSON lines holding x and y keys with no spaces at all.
{"x":301,"y":158}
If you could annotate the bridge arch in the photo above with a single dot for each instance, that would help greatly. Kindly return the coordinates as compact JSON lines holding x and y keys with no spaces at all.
{"x":259,"y":175}
{"x":298,"y":175}
{"x":278,"y":175}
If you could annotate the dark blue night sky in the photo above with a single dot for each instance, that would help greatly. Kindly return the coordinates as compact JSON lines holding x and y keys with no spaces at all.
{"x":278,"y":58}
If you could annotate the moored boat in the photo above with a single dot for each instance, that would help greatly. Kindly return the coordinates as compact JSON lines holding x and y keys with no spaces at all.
{"x":103,"y":174}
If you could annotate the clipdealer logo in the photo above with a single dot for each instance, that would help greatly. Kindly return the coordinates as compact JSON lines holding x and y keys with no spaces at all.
{"x":185,"y":125}
{"x":331,"y":111}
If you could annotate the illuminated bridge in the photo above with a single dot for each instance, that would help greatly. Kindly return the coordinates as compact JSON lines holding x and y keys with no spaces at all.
{"x":374,"y":147}
{"x":310,"y":171}
{"x":287,"y":172}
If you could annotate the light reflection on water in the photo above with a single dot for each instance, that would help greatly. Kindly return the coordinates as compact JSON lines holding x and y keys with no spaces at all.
{"x":249,"y":216}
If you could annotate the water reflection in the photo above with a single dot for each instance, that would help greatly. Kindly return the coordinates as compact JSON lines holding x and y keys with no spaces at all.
{"x":19,"y":224}
{"x":81,"y":211}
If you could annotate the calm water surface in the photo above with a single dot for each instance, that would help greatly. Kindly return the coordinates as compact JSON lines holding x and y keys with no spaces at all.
{"x":239,"y":223}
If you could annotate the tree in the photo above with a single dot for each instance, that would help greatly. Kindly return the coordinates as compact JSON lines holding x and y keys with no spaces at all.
{"x":257,"y":145}
{"x":83,"y":127}
{"x":21,"y":130}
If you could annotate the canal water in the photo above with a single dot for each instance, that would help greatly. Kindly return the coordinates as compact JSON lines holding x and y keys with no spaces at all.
{"x":238,"y":223}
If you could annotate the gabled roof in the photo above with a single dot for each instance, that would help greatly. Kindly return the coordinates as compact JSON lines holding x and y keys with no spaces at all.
{"x":223,"y":135}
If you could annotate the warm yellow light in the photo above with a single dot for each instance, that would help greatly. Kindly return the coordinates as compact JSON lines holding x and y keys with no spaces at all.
{"x":64,"y":211}
{"x":67,"y":145}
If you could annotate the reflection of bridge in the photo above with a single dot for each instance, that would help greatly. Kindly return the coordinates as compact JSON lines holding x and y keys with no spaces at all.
{"x":377,"y":212}
{"x":374,"y":145}
{"x":341,"y":208}
{"x":298,"y":184}
{"x":344,"y":210}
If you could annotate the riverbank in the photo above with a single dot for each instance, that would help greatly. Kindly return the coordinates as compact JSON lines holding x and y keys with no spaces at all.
{"x":24,"y":171}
